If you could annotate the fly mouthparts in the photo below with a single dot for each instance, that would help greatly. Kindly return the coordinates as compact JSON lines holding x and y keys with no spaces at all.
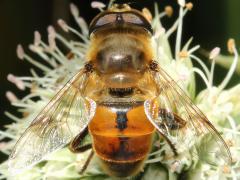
{"x":120,"y":92}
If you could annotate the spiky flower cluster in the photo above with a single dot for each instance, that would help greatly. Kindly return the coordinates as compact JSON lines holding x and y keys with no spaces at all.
{"x":219,"y":104}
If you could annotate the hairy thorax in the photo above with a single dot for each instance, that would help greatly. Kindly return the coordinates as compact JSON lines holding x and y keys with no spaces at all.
{"x":121,"y":60}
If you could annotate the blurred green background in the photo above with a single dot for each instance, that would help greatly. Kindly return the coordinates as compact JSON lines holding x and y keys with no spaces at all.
{"x":211,"y":23}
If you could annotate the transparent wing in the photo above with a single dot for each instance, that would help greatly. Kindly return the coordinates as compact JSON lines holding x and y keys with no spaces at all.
{"x":65,"y":116}
{"x":182,"y":123}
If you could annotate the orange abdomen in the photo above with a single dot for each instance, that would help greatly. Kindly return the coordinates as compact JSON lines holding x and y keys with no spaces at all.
{"x":122,"y":137}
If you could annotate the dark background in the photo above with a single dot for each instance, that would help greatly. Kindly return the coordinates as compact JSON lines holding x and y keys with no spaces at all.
{"x":211,"y":23}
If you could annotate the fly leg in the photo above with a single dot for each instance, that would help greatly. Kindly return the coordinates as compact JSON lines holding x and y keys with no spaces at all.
{"x":84,"y":167}
{"x":170,"y":122}
{"x":171,"y":145}
{"x":81,"y":149}
{"x":78,"y":145}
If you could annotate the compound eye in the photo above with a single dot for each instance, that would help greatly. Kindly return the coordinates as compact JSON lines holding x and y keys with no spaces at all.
{"x":113,"y":18}
{"x":132,"y":19}
{"x":138,"y":20}
{"x":106,"y":19}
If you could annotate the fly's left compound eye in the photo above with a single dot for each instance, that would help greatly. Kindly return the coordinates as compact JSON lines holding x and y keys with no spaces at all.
{"x":108,"y":19}
{"x":132,"y":19}
{"x":137,"y":19}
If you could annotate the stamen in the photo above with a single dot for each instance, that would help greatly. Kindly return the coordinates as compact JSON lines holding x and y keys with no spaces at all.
{"x":226,"y":169}
{"x":155,"y":22}
{"x":13,"y":79}
{"x":79,"y":20}
{"x":192,"y":50}
{"x":3,"y":146}
{"x":33,"y":72}
{"x":183,"y":54}
{"x":11,"y":116}
{"x":147,"y":14}
{"x":67,"y":28}
{"x":83,"y":25}
{"x":232,"y":123}
{"x":175,"y":25}
{"x":63,"y":25}
{"x":161,"y":15}
{"x":231,"y":45}
{"x":98,"y":5}
{"x":37,"y":38}
{"x":29,"y":96}
{"x":230,"y":142}
{"x":37,"y":64}
{"x":36,"y":49}
{"x":11,"y":97}
{"x":69,"y":45}
{"x":179,"y":29}
{"x":74,"y":10}
{"x":181,"y":3}
{"x":202,"y":75}
{"x":175,"y":165}
{"x":39,"y":50}
{"x":51,"y":37}
{"x":6,"y":134}
{"x":111,"y":3}
{"x":156,"y":152}
{"x":189,"y":6}
{"x":61,"y":59}
{"x":52,"y":43}
{"x":20,"y":52}
{"x":200,"y":62}
{"x":22,"y":105}
{"x":51,"y":31}
{"x":169,"y":11}
{"x":84,"y":38}
{"x":231,"y":48}
{"x":36,"y":79}
{"x":159,"y":32}
{"x":158,"y":159}
{"x":214,"y":53}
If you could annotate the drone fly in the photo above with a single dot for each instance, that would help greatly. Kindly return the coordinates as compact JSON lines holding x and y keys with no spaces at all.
{"x":121,"y":97}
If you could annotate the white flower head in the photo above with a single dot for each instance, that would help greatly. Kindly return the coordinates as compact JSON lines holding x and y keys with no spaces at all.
{"x":220,"y":105}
